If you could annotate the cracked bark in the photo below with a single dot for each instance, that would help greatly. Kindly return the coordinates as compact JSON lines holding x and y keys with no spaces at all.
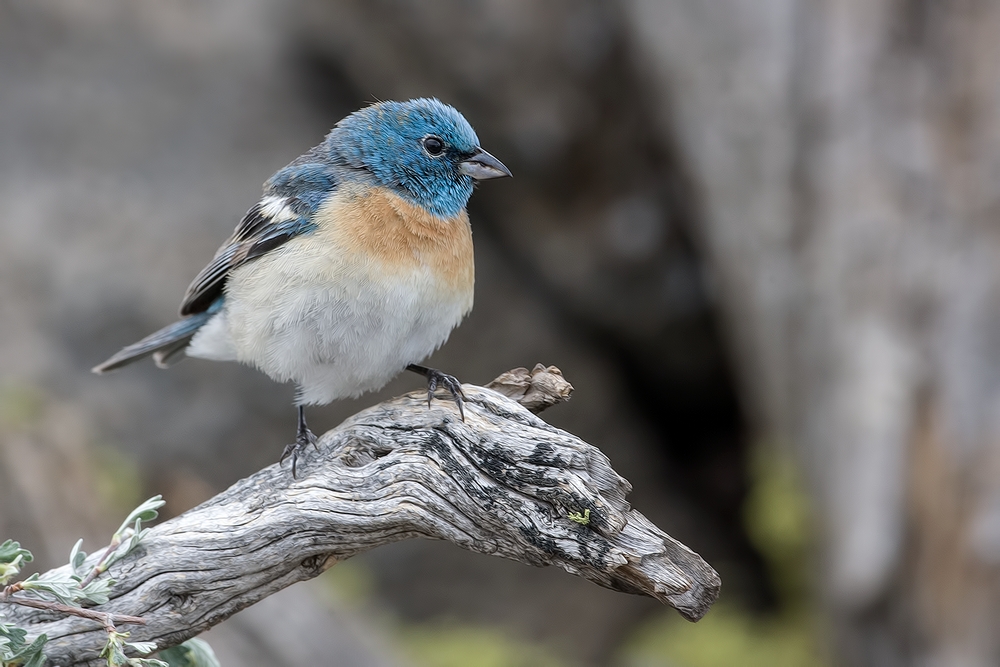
{"x":503,"y":482}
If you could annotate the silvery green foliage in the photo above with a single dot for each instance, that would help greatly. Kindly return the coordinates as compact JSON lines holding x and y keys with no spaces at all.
{"x":144,"y":512}
{"x":11,"y":558}
{"x":67,"y":587}
{"x":130,"y":533}
{"x":76,"y":557}
{"x":14,"y":646}
{"x":114,"y":652}
{"x":15,"y":650}
{"x":192,"y":653}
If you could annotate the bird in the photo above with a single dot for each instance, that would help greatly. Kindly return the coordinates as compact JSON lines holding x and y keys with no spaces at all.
{"x":355,"y":265}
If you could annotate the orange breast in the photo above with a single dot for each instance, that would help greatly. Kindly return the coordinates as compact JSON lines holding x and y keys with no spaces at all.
{"x":378,"y":226}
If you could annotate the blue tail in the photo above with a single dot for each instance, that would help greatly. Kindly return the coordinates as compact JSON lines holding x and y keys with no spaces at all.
{"x":164,"y":345}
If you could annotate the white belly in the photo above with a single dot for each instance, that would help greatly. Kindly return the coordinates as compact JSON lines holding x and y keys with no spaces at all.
{"x":337,"y":328}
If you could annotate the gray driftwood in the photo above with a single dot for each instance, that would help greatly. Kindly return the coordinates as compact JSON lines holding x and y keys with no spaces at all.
{"x":503,"y":483}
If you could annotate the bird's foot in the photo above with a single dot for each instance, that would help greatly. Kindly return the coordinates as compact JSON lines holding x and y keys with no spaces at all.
{"x":437,"y":378}
{"x":303,"y":438}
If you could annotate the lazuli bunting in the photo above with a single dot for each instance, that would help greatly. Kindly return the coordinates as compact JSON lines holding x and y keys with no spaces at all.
{"x":356,"y":263}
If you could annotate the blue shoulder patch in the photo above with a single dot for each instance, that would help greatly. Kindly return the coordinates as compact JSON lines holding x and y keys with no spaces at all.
{"x":309,"y":182}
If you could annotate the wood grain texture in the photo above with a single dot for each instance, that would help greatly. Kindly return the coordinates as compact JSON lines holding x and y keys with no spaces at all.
{"x":503,"y":482}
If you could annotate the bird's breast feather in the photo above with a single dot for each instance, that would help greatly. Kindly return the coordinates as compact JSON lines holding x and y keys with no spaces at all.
{"x":375,"y":226}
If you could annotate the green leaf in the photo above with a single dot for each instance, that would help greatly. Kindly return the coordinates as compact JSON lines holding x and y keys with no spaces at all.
{"x":144,"y":512}
{"x":142,"y":647}
{"x":76,"y":557}
{"x":192,"y":653}
{"x":97,"y":591}
{"x":11,"y":557}
{"x":65,"y":588}
{"x":132,"y":535}
{"x":36,"y":660}
{"x":35,"y":656}
{"x":11,"y":640}
{"x":12,"y":633}
{"x":135,"y":535}
{"x":114,"y":650}
{"x":13,"y":650}
{"x":59,"y":584}
{"x":11,"y":550}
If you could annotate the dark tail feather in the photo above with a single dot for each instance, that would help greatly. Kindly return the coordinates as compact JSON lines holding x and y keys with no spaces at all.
{"x":164,"y":345}
{"x":166,"y":356}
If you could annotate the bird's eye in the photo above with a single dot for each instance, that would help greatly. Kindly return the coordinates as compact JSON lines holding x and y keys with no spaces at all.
{"x":433,"y":145}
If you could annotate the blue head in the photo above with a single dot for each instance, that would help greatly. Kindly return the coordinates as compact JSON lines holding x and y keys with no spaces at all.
{"x":422,"y":149}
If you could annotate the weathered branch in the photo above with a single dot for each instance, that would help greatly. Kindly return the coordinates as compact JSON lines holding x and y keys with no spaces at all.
{"x":503,"y":482}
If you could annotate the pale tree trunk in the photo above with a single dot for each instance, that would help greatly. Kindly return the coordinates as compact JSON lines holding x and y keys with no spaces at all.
{"x":848,"y":160}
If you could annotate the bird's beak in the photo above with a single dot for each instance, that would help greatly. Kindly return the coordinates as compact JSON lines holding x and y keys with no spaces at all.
{"x":483,"y":166}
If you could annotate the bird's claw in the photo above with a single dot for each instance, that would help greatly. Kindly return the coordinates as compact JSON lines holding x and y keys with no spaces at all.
{"x":449,"y":382}
{"x":303,"y":439}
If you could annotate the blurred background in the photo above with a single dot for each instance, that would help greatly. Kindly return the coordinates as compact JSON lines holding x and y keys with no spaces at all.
{"x":761,"y":239}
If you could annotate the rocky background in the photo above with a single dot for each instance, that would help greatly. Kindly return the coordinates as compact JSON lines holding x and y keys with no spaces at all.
{"x":759,"y":240}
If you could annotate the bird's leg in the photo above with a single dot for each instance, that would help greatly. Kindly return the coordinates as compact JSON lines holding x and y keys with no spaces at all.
{"x":303,"y":438}
{"x":449,"y":382}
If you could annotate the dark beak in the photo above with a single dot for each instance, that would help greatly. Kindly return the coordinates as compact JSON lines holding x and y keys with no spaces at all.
{"x":483,"y":166}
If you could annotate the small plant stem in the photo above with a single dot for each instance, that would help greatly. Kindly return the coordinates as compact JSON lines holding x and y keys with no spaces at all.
{"x":105,"y":618}
{"x":10,"y":590}
{"x":98,"y":569}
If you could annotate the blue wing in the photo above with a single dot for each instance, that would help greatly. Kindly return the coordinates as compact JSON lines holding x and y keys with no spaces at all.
{"x":284,"y":213}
